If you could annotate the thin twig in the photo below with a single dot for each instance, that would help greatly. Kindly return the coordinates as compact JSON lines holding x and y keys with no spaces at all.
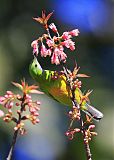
{"x":12,"y":145}
{"x":87,"y":147}
{"x":74,"y":103}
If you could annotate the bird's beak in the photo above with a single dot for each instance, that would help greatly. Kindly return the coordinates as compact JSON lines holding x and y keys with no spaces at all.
{"x":35,"y":56}
{"x":35,"y":59}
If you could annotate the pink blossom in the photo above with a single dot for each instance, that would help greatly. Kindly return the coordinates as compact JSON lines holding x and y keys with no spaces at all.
{"x":32,"y":109}
{"x":7,"y":100}
{"x":61,"y":48}
{"x":34,"y":44}
{"x":48,"y":52}
{"x":66,"y":35}
{"x":49,"y":43}
{"x":6,"y":96}
{"x":2,"y":99}
{"x":37,"y":120}
{"x":9,"y":93}
{"x":35,"y":113}
{"x":1,"y":113}
{"x":43,"y":51}
{"x":8,"y":105}
{"x":53,"y":27}
{"x":74,"y":32}
{"x":58,"y":55}
{"x":72,"y":47}
{"x":69,"y":44}
{"x":91,"y":126}
{"x":62,"y":55}
{"x":55,"y":59}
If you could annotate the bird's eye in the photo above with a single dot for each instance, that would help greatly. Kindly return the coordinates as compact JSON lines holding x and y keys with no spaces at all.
{"x":35,"y":65}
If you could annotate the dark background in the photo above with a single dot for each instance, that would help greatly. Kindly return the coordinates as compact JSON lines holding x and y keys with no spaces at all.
{"x":94,"y":54}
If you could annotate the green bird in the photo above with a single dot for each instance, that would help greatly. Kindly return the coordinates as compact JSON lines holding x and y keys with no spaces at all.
{"x":59,"y":90}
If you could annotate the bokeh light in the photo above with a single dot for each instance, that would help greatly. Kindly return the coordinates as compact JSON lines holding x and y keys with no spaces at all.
{"x":86,"y":15}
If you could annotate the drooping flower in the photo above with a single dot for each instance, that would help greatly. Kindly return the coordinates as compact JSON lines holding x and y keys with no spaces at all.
{"x":34,"y":44}
{"x":66,"y":36}
{"x":74,"y":32}
{"x":49,"y":43}
{"x":55,"y":59}
{"x":69,"y":44}
{"x":53,"y":27}
{"x":61,"y":54}
{"x":43,"y":51}
{"x":58,"y":55}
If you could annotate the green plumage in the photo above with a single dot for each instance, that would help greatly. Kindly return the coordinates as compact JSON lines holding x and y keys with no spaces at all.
{"x":58,"y":89}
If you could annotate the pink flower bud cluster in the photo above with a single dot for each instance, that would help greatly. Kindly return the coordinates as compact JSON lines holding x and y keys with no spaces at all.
{"x":74,"y":114}
{"x":53,"y":27}
{"x":70,"y":133}
{"x":54,"y":46}
{"x":22,"y":103}
{"x":77,"y":83}
{"x":8,"y":116}
{"x":33,"y":107}
{"x":89,"y":133}
{"x":7,"y":99}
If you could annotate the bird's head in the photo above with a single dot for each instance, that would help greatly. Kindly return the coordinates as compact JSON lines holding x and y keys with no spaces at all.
{"x":35,"y":68}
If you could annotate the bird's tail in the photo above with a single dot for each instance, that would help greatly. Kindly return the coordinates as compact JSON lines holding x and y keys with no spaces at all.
{"x":93,"y":112}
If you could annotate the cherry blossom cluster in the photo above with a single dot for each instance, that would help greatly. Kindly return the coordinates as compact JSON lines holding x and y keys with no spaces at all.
{"x":74,"y":114}
{"x":21,"y":103}
{"x":89,"y":133}
{"x":47,"y":45}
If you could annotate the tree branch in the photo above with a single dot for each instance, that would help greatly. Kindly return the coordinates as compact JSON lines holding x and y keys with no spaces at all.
{"x":74,"y":103}
{"x":16,"y":131}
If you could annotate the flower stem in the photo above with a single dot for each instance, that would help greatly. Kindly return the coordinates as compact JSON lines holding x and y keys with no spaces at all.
{"x":87,"y":147}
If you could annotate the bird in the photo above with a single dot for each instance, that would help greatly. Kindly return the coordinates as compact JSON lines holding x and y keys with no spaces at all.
{"x":59,"y":90}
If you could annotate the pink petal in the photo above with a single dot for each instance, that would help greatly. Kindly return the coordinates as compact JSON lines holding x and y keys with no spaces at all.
{"x":43,"y":51}
{"x":66,"y":35}
{"x":1,"y":113}
{"x":53,"y":27}
{"x":49,"y":43}
{"x":34,"y":44}
{"x":74,"y":32}
{"x":2,"y":99}
{"x":55,"y":59}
